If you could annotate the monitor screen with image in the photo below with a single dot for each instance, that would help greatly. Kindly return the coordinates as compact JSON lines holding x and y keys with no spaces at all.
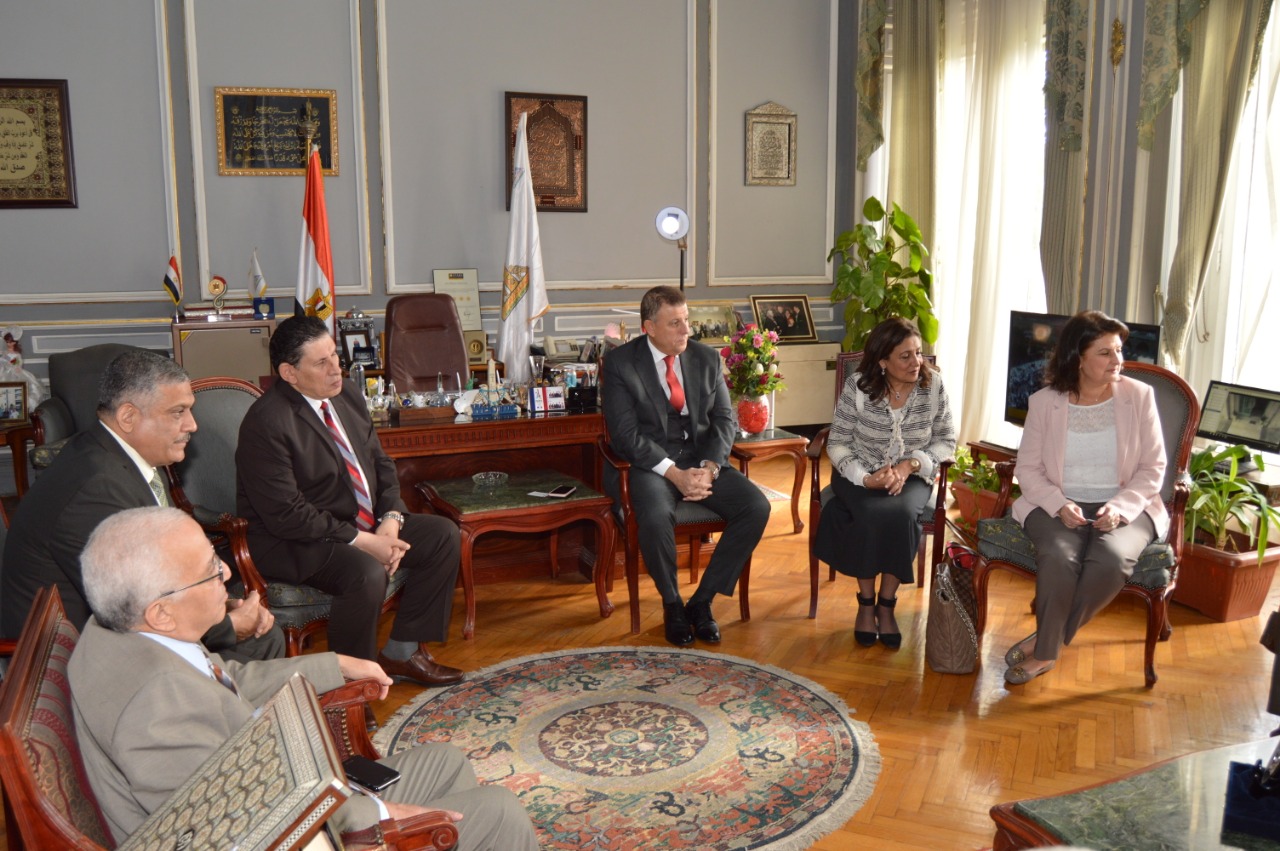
{"x":1032,"y":338}
{"x":1233,"y":413}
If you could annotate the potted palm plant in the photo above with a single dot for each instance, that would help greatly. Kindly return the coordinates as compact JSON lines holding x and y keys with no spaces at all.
{"x":882,"y":275}
{"x":1229,"y":560}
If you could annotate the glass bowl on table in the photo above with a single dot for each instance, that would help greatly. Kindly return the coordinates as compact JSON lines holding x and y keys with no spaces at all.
{"x":489,"y":480}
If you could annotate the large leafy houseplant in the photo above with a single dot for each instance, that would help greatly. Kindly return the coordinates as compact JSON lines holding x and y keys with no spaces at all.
{"x":1221,"y":497}
{"x":881,"y":274}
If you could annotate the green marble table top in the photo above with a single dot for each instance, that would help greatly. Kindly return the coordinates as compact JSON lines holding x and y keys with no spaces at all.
{"x":1174,"y":806}
{"x":468,"y":497}
{"x":765,"y":436}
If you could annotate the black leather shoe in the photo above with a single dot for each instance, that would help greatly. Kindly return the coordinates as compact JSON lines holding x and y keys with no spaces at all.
{"x":704,"y":625}
{"x":421,"y":668}
{"x":677,"y":626}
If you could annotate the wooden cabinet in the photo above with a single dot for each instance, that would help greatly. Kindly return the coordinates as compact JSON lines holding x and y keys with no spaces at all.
{"x":809,"y":370}
{"x":237,"y":348}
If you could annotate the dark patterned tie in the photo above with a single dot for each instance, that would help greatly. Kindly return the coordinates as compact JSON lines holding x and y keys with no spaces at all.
{"x":158,"y":488}
{"x":222,"y":677}
{"x":364,"y":515}
{"x":677,"y":392}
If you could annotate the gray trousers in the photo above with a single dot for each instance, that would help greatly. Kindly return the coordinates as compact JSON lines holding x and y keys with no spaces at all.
{"x":439,"y":776}
{"x":1079,"y":571}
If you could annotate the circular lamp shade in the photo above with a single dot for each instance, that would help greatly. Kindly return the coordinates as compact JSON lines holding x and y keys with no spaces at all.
{"x":672,"y":223}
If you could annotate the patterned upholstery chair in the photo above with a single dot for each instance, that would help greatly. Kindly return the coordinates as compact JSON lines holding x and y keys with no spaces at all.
{"x":204,"y":485}
{"x":1003,"y":545}
{"x":933,"y":519}
{"x":48,"y":800}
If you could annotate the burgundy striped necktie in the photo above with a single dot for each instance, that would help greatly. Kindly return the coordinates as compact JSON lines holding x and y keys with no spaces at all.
{"x":364,"y":516}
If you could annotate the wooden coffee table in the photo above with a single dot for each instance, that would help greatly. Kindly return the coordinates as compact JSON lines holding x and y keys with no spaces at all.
{"x":509,"y":508}
{"x":767,"y":444}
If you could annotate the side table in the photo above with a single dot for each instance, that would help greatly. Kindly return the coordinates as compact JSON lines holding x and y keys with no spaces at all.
{"x":767,"y":444}
{"x":509,"y":508}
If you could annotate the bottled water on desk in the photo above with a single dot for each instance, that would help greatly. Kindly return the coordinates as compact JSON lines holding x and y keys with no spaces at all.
{"x":357,"y":375}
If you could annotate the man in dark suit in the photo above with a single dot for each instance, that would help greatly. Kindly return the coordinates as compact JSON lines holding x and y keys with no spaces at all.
{"x":144,"y":423}
{"x":667,"y":408}
{"x":324,"y":509}
{"x":151,"y":706}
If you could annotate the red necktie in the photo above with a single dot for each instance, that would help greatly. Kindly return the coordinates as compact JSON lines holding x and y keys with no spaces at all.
{"x":364,"y":513}
{"x":677,"y":392}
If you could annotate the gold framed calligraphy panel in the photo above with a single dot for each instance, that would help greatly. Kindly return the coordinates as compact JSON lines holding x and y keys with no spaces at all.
{"x":265,"y":131}
{"x":36,"y":166}
{"x":557,"y":134}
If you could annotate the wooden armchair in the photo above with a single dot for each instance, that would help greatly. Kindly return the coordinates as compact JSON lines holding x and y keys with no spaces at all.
{"x":204,"y":485}
{"x":1002,"y":545}
{"x":694,"y":522}
{"x":48,"y":801}
{"x":933,"y":519}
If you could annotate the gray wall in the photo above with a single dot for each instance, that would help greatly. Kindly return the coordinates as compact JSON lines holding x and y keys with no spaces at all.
{"x":420,"y":101}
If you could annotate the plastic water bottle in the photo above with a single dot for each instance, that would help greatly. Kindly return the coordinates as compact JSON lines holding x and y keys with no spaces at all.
{"x":357,"y":375}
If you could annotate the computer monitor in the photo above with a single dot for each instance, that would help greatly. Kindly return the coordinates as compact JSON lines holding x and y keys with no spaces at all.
{"x":1233,"y":413}
{"x":1032,"y":338}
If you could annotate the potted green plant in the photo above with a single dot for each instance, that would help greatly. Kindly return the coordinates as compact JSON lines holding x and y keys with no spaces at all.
{"x":881,"y":274}
{"x":1228,"y":561}
{"x":975,"y":484}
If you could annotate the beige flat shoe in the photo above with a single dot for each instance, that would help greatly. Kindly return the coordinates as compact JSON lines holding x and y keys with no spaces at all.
{"x":1018,"y":675}
{"x":1016,"y":655}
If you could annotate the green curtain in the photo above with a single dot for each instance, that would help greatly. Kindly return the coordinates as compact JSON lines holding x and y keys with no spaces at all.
{"x":870,"y":80}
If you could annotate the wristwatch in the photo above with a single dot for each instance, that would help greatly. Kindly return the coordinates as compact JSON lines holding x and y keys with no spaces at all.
{"x":715,"y":469}
{"x":394,"y":515}
{"x":915,"y":464}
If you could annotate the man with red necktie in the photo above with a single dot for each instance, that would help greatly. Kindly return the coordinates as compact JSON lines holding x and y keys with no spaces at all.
{"x":324,"y":509}
{"x":667,"y":408}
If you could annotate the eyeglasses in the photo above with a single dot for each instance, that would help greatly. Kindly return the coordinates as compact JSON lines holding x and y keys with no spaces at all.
{"x":208,"y":578}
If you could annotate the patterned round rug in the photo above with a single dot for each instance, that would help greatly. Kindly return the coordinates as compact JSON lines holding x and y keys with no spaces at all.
{"x":621,"y":748}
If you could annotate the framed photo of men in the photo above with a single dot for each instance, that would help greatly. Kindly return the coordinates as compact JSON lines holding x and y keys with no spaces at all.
{"x":788,"y":315}
{"x":712,"y":321}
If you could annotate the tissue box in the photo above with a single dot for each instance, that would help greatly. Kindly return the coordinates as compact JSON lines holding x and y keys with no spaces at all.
{"x":543,"y":399}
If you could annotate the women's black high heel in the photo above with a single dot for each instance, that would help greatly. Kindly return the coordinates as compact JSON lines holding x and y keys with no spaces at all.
{"x":892,"y":640}
{"x":864,"y":638}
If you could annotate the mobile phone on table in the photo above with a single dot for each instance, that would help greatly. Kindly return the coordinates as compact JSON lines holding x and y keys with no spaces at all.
{"x":561,"y":492}
{"x":368,"y":775}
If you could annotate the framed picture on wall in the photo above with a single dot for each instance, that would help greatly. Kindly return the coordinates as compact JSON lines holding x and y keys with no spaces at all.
{"x":557,"y":136}
{"x":788,"y":315}
{"x":13,"y":402}
{"x":35,"y":146}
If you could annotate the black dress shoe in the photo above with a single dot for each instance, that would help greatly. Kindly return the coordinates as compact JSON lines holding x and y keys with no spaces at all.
{"x":420,"y":668}
{"x":704,"y":626}
{"x":676,"y":624}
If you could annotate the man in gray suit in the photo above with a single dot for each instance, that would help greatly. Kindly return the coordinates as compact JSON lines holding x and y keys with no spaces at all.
{"x":667,"y":408}
{"x":151,"y":706}
{"x":144,"y":422}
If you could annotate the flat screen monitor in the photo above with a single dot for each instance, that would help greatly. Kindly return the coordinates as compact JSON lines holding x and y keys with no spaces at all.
{"x":1032,"y":338}
{"x":1235,"y":414}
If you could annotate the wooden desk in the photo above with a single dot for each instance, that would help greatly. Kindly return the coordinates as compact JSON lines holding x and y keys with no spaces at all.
{"x":767,"y":444}
{"x":565,"y":443}
{"x":1175,"y":804}
{"x":481,"y":511}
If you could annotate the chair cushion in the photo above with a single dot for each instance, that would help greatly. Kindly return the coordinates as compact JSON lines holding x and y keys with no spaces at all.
{"x":291,"y":602}
{"x":42,"y":456}
{"x":1002,"y":539}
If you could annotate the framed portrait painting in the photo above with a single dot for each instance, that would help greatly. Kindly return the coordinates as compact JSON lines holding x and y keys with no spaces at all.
{"x":788,"y":315}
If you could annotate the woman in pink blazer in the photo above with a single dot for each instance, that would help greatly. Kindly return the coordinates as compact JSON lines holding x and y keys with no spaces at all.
{"x":1091,"y":465}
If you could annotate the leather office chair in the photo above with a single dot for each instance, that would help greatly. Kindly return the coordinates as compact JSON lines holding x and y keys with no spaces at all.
{"x":425,"y":340}
{"x":204,"y":485}
{"x":1002,"y":545}
{"x":72,"y":407}
{"x":48,"y":800}
{"x":933,"y":519}
{"x":694,"y":522}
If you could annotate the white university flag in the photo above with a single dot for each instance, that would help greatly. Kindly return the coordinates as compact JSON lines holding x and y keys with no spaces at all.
{"x":524,"y":288}
{"x":257,"y":283}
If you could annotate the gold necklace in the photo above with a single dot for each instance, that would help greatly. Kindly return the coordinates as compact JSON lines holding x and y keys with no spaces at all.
{"x":1081,"y":399}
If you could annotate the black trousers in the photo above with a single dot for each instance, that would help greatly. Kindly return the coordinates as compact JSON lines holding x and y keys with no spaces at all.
{"x":358,"y":584}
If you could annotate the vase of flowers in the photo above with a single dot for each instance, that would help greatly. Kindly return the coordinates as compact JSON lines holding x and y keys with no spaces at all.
{"x":751,"y":364}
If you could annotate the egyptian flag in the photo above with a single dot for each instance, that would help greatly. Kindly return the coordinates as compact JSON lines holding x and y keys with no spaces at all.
{"x":314,"y":295}
{"x":173,"y":281}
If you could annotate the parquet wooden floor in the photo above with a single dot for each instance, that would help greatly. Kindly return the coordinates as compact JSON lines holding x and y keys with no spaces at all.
{"x":951,"y":746}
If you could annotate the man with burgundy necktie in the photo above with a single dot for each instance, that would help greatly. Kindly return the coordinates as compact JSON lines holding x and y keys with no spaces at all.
{"x":324,"y":509}
{"x":667,"y":409}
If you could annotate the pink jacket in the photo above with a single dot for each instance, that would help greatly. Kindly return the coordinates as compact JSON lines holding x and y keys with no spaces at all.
{"x":1140,"y":454}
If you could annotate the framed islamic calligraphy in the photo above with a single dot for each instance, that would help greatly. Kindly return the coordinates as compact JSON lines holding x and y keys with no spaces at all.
{"x":36,"y":166}
{"x":265,"y":131}
{"x":557,"y":133}
{"x":771,"y":146}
